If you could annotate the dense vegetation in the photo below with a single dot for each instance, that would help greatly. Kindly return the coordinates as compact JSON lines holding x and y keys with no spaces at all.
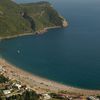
{"x":27,"y":95}
{"x":25,"y":18}
{"x":3,"y":79}
{"x":11,"y":21}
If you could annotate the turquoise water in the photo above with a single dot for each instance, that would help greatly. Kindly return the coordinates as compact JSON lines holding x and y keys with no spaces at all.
{"x":70,"y":56}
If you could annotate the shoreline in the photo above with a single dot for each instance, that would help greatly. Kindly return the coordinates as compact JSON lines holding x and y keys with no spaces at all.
{"x":28,"y":34}
{"x":39,"y":32}
{"x":39,"y":84}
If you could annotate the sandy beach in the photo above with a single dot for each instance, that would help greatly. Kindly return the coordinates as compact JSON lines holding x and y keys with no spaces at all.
{"x":39,"y":84}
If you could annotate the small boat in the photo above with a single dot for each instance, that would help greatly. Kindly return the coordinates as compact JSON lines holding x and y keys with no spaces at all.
{"x":18,"y":51}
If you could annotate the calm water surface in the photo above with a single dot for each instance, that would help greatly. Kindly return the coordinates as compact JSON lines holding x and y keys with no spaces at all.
{"x":70,"y":56}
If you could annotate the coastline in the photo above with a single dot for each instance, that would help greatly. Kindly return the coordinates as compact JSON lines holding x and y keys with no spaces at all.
{"x":39,"y":32}
{"x":28,"y":34}
{"x":39,"y":84}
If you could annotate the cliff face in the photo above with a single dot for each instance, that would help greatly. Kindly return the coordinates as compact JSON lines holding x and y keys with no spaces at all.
{"x":25,"y":18}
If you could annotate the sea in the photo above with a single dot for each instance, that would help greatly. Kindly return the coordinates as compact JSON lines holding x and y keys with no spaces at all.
{"x":71,"y":55}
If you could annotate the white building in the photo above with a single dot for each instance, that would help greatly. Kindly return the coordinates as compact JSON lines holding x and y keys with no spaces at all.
{"x":92,"y":98}
{"x":18,"y":86}
{"x":6,"y":92}
{"x":1,"y":69}
{"x":46,"y":96}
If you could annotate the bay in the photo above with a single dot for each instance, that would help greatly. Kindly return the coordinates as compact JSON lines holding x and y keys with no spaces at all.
{"x":70,"y":56}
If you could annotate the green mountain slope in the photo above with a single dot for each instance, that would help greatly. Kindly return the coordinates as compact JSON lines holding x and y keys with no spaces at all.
{"x":25,"y":18}
{"x":11,"y":21}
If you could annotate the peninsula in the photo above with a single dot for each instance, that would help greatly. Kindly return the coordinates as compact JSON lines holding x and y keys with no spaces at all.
{"x":25,"y":19}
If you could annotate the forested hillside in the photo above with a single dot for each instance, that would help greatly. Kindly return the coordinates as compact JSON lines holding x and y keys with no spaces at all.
{"x":26,"y":18}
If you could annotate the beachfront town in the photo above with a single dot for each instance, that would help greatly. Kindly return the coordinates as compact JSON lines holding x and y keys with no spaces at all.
{"x":12,"y":89}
